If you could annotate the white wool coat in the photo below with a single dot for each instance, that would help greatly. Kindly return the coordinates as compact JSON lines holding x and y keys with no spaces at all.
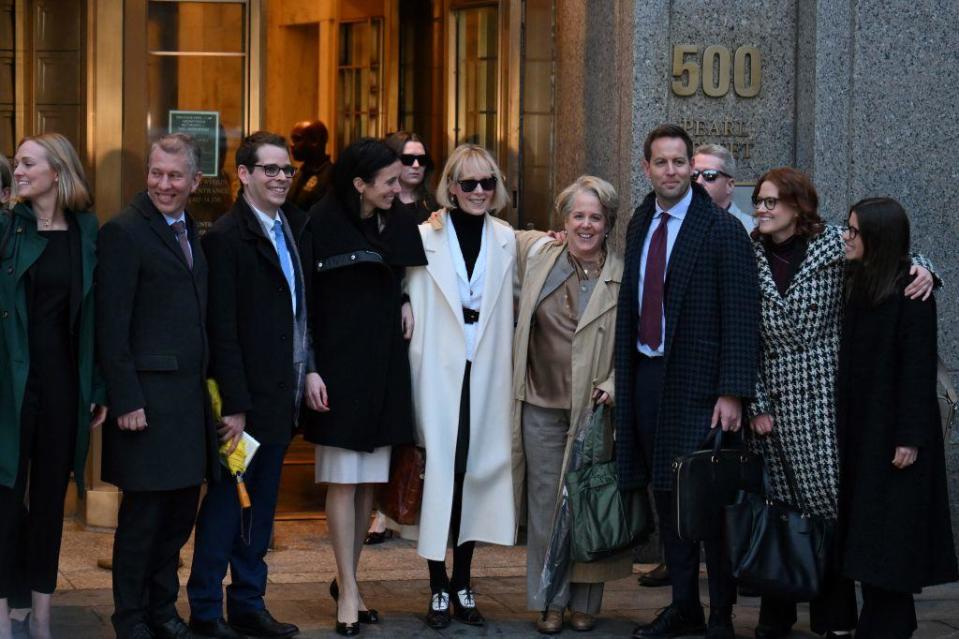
{"x":438,"y":360}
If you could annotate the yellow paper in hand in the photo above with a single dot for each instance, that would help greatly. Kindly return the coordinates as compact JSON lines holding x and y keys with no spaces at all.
{"x":239,"y":459}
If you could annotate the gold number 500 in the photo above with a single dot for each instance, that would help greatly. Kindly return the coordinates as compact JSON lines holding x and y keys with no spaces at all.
{"x":714,"y":69}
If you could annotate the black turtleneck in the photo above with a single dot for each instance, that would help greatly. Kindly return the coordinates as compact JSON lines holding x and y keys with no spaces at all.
{"x":784,"y":259}
{"x":469,"y":232}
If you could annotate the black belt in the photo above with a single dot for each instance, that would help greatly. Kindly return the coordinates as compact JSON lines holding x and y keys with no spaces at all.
{"x":470,"y":316}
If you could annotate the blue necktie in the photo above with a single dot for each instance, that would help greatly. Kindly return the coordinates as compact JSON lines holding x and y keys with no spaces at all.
{"x":286,"y":263}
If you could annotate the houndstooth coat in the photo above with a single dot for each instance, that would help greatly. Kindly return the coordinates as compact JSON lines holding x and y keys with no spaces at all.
{"x":797,"y":374}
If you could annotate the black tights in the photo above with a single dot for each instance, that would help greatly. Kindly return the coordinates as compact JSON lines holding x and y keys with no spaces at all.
{"x":462,"y":554}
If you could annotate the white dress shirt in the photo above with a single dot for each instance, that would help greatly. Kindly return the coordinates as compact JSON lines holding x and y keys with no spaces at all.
{"x":471,"y":288}
{"x":676,"y":216}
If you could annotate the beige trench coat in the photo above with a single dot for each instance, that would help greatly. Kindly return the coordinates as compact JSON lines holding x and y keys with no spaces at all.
{"x":592,"y":367}
{"x":437,"y":361}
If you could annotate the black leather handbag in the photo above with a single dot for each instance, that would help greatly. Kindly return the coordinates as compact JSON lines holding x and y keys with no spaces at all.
{"x":775,"y":548}
{"x":708,"y":480}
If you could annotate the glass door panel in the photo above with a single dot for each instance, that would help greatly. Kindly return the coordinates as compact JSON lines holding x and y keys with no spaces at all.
{"x":197,"y":63}
{"x":475,"y":75}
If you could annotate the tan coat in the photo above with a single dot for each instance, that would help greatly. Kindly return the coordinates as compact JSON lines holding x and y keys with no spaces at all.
{"x":592,"y":367}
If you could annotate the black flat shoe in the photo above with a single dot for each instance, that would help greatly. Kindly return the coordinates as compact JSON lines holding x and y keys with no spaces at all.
{"x":260,"y":623}
{"x":464,"y":608}
{"x":348,"y":629}
{"x":374,"y":538}
{"x":438,"y":612}
{"x":368,"y":617}
{"x":217,"y":629}
{"x":673,"y":621}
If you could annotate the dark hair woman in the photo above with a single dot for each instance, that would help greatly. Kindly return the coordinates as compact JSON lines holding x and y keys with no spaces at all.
{"x":46,"y":362}
{"x":894,"y":507}
{"x":800,"y":260}
{"x":415,"y":176}
{"x":6,"y":183}
{"x":358,"y":245}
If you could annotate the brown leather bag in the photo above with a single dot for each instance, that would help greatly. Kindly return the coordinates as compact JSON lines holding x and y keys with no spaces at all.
{"x":401,"y":498}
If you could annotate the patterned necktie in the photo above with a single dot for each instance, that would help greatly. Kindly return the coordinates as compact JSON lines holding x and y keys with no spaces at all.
{"x":179,"y":227}
{"x":651,"y":315}
{"x":286,"y":263}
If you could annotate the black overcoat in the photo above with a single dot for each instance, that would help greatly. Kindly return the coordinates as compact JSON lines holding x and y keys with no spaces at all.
{"x":354,"y":313}
{"x":711,"y":304}
{"x":896,"y":526}
{"x":152,"y":350}
{"x":251,"y":323}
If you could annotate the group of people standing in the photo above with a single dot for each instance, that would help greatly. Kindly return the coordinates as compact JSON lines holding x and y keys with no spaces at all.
{"x":386,"y":315}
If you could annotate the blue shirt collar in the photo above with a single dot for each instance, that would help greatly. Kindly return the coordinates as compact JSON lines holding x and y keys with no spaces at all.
{"x":173,"y":220}
{"x":680,"y":209}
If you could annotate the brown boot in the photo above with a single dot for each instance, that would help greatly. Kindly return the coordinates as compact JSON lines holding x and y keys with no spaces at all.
{"x":658,"y":576}
{"x":550,"y":623}
{"x":582,"y":622}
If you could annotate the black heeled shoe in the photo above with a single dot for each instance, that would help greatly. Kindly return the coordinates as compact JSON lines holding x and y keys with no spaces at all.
{"x":368,"y":617}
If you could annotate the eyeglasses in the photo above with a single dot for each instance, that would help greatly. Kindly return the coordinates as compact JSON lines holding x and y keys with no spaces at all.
{"x":851,"y":231}
{"x":409,"y":158}
{"x":469,"y":186}
{"x":272,"y":170}
{"x":710,"y":175}
{"x":769,"y":203}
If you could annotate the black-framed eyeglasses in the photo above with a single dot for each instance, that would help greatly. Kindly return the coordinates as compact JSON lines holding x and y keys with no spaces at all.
{"x":852,"y":232}
{"x":468,"y":186}
{"x":769,"y":203}
{"x":710,"y":175}
{"x":408,"y":159}
{"x":272,"y":170}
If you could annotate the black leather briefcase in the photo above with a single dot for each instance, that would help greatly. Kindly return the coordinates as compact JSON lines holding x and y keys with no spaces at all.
{"x":708,"y":480}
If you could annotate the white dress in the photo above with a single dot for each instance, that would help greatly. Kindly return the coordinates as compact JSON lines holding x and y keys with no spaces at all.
{"x":336,"y":465}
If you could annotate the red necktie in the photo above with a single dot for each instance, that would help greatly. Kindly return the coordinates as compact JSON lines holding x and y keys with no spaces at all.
{"x":651,"y":315}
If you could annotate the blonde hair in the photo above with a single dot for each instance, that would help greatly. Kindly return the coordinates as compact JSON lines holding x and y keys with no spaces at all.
{"x":476,"y":159}
{"x":73,"y":192}
{"x":603,"y":190}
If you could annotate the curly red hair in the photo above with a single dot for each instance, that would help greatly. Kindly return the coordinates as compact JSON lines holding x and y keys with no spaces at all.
{"x":797,"y":190}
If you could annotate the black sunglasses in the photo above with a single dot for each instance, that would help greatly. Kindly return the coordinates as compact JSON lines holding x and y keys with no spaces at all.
{"x":272,"y":170}
{"x":469,"y":186}
{"x":409,"y":158}
{"x":710,"y":175}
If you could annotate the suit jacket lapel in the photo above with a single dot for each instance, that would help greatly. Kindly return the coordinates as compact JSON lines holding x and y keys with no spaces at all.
{"x":253,"y":232}
{"x":691,"y":236}
{"x":555,"y":276}
{"x":602,"y":299}
{"x":440,"y":267}
{"x":163,"y":231}
{"x":497,"y":269}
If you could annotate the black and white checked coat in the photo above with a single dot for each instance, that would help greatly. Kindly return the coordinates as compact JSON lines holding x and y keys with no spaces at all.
{"x":797,"y":373}
{"x":712,"y":335}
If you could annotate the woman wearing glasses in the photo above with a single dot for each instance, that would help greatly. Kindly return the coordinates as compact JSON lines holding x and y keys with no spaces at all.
{"x":358,"y":246}
{"x":801,"y":264}
{"x":460,"y":355}
{"x":415,"y":193}
{"x":894,"y":505}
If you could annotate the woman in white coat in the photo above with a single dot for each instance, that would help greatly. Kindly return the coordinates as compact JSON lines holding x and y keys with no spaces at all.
{"x":461,"y":360}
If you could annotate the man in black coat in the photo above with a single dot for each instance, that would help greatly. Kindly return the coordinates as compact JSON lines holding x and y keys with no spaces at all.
{"x":151,"y":332}
{"x":687,"y":346}
{"x":262,"y":362}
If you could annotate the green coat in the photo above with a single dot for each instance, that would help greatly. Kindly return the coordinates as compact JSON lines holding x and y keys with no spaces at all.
{"x":23,"y":247}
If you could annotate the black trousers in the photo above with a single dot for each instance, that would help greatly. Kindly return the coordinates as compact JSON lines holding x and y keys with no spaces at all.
{"x":152,"y":528}
{"x":834,"y":608}
{"x":886,"y":614}
{"x":30,"y":536}
{"x":682,"y":557}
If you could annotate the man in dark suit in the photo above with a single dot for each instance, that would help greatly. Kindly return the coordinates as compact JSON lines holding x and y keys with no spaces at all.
{"x":687,"y":346}
{"x":152,"y":344}
{"x":262,"y":362}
